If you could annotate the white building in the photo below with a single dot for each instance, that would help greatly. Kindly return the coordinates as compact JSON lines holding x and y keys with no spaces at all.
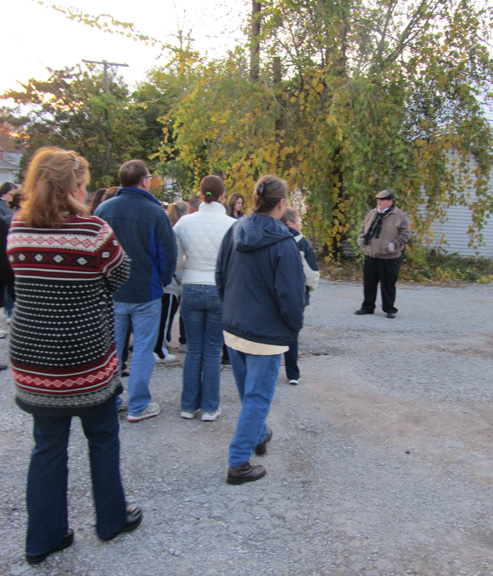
{"x":9,"y":166}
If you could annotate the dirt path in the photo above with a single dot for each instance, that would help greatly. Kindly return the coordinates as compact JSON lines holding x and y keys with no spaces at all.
{"x":381,"y":462}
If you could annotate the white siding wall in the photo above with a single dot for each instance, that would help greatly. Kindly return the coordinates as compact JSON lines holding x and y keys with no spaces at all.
{"x":454,"y":231}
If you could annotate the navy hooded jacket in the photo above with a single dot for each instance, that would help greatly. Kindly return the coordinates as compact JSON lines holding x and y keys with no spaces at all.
{"x":143,"y":229}
{"x":260,"y":279}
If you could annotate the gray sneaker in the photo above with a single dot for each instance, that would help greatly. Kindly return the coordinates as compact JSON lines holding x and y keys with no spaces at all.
{"x":152,"y":409}
{"x":189,"y":415}
{"x":211,"y":416}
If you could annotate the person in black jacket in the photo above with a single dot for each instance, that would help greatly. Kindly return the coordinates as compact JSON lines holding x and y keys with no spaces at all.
{"x":292,"y":219}
{"x":6,"y":274}
{"x":258,"y":267}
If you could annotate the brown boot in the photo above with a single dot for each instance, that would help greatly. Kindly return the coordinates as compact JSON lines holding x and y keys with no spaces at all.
{"x":261,"y":448}
{"x":245,"y":473}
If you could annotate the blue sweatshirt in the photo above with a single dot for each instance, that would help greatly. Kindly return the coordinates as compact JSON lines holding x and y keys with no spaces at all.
{"x":260,"y":278}
{"x":145,"y":233}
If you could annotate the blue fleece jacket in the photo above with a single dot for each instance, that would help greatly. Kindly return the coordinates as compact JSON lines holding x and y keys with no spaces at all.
{"x":145,"y":233}
{"x":260,"y":278}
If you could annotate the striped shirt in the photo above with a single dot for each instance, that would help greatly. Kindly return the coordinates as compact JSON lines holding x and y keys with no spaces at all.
{"x":62,"y":345}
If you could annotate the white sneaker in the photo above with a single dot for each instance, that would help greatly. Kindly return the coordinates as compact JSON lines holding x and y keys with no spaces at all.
{"x":189,"y":415}
{"x":3,"y":333}
{"x":168,"y":358}
{"x":211,"y":416}
{"x":152,"y":409}
{"x":293,"y":381}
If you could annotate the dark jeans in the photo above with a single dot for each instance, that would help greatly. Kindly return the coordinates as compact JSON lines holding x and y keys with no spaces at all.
{"x":291,"y":362}
{"x":47,"y":478}
{"x":385,"y":271}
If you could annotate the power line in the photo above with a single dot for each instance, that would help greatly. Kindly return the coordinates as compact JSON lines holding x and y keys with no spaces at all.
{"x":106,"y":66}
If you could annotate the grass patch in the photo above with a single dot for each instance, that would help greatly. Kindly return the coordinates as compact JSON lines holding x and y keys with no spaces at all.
{"x":430,"y":268}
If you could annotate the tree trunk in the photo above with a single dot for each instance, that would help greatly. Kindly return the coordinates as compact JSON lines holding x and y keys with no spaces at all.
{"x":255,"y":42}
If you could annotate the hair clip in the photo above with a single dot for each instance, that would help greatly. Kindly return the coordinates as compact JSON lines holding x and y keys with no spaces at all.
{"x":260,"y":189}
{"x":208,"y":194}
{"x":76,"y":161}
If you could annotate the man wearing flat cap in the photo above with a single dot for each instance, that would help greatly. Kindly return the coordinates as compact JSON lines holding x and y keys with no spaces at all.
{"x":382,"y":237}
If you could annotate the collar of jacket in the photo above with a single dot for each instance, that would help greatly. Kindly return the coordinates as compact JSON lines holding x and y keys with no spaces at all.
{"x":390,"y":210}
{"x":212,"y":207}
{"x":129,"y":190}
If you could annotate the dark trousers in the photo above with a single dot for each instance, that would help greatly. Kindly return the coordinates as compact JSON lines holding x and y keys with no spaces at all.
{"x":47,"y":478}
{"x":291,"y":362}
{"x":385,"y":271}
{"x":169,"y":307}
{"x":182,"y":339}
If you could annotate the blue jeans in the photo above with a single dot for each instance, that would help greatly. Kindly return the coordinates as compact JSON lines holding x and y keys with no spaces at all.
{"x":48,"y":474}
{"x":256,"y":378}
{"x":144,"y":318}
{"x":202,"y":313}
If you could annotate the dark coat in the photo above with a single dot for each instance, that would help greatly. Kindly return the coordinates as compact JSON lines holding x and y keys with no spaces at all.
{"x":260,"y":278}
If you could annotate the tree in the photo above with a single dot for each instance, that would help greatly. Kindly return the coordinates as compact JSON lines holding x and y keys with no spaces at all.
{"x":71,"y":110}
{"x":381,"y":92}
{"x":340,"y":97}
{"x":374,"y":94}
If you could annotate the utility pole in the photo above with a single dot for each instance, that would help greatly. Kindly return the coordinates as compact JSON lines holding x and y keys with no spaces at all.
{"x":107,"y":147}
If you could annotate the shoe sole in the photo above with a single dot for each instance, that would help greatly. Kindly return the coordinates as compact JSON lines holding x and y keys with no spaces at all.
{"x":237,"y":481}
{"x":126,"y":528}
{"x":189,"y":415}
{"x":139,"y":418}
{"x":67,"y":541}
{"x":207,"y":418}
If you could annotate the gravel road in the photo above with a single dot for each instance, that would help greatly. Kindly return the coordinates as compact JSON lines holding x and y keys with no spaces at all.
{"x":381,"y":462}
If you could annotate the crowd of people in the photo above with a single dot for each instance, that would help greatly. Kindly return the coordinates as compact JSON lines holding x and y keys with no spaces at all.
{"x":87,"y":278}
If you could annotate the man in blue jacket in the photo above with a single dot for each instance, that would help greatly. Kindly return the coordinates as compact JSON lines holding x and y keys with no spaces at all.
{"x":145,"y":233}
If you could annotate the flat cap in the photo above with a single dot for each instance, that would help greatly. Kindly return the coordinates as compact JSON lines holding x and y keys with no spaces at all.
{"x":386,"y":195}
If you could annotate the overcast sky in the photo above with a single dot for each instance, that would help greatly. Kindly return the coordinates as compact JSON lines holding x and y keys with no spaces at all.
{"x":36,"y":38}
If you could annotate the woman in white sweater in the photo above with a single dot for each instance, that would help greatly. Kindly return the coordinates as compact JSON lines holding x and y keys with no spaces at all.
{"x":199,"y":238}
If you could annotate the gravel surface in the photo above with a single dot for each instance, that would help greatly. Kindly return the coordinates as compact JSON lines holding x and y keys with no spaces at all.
{"x":381,"y":462}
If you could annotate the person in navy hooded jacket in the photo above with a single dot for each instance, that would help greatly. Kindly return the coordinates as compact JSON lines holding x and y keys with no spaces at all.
{"x":145,"y":233}
{"x":259,"y":269}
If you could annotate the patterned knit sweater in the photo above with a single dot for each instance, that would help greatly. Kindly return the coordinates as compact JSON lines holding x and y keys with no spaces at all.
{"x":62,"y":345}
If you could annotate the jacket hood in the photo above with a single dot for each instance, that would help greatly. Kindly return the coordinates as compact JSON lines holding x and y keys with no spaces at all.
{"x":257,"y":231}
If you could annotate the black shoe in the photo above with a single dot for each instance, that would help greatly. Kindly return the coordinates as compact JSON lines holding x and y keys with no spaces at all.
{"x":134,"y":518}
{"x":67,"y":541}
{"x":3,"y":367}
{"x":245,"y":473}
{"x":362,"y":311}
{"x":391,"y":314}
{"x":261,"y":448}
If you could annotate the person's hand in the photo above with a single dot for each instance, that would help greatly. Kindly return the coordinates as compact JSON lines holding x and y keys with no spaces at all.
{"x":360,"y":242}
{"x":391,"y":247}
